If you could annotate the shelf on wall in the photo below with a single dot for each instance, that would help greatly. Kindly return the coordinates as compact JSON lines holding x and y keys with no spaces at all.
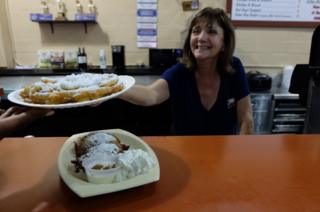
{"x":85,"y":23}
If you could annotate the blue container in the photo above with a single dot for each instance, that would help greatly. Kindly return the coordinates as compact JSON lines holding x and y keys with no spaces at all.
{"x":85,"y":17}
{"x":41,"y":17}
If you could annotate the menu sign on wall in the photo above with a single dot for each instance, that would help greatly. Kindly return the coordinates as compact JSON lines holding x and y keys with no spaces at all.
{"x":147,"y":18}
{"x":275,"y":12}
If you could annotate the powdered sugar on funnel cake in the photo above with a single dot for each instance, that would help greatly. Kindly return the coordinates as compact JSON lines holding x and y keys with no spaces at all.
{"x":71,"y":88}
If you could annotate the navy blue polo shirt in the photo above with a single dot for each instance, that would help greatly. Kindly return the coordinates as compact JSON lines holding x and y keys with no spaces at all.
{"x":189,"y":117}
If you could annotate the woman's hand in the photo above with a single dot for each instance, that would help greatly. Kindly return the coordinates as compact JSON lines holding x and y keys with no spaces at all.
{"x":29,"y":113}
{"x":16,"y":118}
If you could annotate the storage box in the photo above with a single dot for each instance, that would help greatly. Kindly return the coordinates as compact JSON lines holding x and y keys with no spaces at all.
{"x":41,"y":17}
{"x":85,"y":17}
{"x":70,"y":59}
{"x":57,"y":60}
{"x":44,"y":59}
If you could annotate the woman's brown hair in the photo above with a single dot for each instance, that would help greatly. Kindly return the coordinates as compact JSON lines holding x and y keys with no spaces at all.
{"x":218,"y":16}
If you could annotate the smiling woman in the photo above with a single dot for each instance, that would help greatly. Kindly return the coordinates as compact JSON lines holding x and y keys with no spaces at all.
{"x":212,"y":30}
{"x":208,"y":91}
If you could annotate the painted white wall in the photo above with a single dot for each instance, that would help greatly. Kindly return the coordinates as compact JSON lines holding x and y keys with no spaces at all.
{"x":266,"y":49}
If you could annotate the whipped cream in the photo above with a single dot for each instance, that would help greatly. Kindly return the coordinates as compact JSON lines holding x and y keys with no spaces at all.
{"x":134,"y":162}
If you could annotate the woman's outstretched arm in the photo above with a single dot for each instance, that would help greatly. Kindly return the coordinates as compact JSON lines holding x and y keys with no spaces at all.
{"x":149,"y":95}
{"x":244,"y":113}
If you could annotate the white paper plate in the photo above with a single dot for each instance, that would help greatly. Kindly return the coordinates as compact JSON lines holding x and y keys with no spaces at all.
{"x":77,"y":181}
{"x":128,"y":82}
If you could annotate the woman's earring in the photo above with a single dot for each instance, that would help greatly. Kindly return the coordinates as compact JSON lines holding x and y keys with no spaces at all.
{"x":222,"y":49}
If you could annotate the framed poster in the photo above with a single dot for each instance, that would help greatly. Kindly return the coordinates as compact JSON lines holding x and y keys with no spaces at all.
{"x":274,"y":13}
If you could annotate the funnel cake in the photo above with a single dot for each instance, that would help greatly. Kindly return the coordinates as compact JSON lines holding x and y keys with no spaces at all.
{"x":104,"y":159}
{"x":96,"y":147}
{"x":72,"y":88}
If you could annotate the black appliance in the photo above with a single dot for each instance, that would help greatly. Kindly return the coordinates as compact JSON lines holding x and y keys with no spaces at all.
{"x":305,"y":81}
{"x":118,"y":57}
{"x":314,"y":59}
{"x":161,"y":59}
{"x":259,"y":81}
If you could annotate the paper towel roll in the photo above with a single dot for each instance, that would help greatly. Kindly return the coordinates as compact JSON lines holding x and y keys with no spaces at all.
{"x":286,"y":76}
